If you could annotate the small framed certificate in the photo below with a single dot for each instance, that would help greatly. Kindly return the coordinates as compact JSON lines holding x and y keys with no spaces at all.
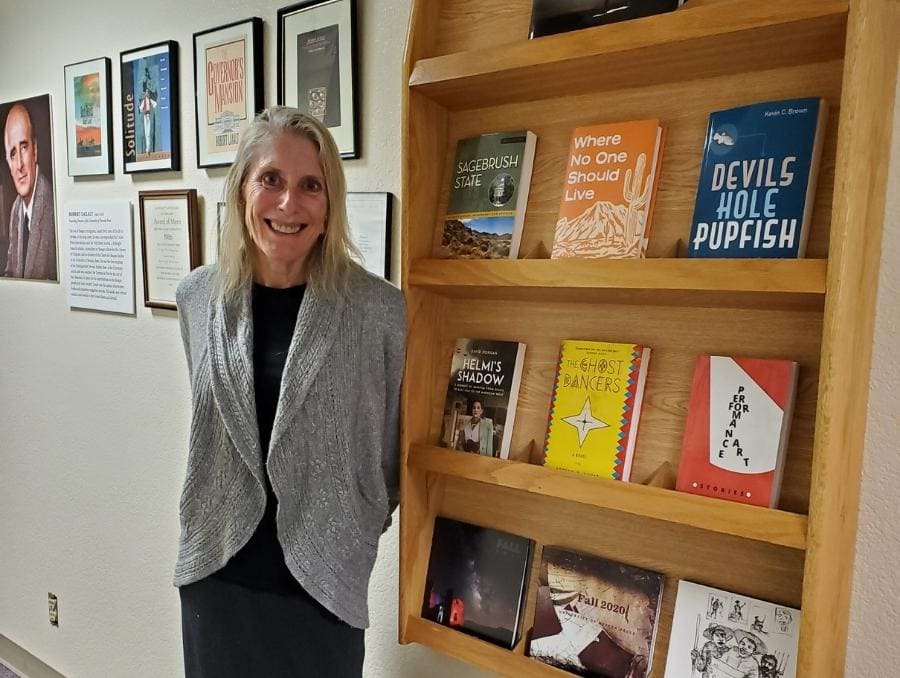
{"x":369,"y":221}
{"x":170,"y":242}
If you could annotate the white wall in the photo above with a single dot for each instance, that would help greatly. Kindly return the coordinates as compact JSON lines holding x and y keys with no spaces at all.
{"x":95,"y":407}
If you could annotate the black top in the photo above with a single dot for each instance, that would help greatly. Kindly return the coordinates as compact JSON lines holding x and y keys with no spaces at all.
{"x":260,"y":564}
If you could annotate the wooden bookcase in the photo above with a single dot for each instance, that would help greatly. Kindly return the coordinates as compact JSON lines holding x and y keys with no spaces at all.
{"x":470,"y":69}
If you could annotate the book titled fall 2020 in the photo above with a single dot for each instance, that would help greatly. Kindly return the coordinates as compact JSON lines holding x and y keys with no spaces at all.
{"x":737,"y":429}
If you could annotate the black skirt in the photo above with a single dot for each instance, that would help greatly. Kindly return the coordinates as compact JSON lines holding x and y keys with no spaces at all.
{"x":229,"y":630}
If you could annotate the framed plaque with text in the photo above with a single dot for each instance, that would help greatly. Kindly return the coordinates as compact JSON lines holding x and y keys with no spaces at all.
{"x":170,"y":242}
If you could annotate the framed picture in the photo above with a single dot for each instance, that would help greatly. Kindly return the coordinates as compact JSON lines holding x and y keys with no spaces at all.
{"x":317,"y":66}
{"x":228,"y":87}
{"x":89,"y":117}
{"x":369,"y":220}
{"x":170,"y":242}
{"x":27,"y":237}
{"x":150,"y":135}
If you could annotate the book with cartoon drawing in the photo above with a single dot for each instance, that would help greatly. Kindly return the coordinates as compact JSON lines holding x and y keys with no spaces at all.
{"x":719,"y":634}
{"x":609,"y":190}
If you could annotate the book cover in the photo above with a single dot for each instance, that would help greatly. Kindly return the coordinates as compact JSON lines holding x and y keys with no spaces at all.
{"x":719,"y":634}
{"x":595,"y":617}
{"x":477,"y":578}
{"x":758,"y":180}
{"x":488,"y":195}
{"x":552,"y":16}
{"x":609,"y":190}
{"x":595,"y":407}
{"x":737,"y":429}
{"x":482,"y":394}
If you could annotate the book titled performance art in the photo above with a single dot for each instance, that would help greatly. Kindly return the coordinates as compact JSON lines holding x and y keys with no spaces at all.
{"x":758,"y":180}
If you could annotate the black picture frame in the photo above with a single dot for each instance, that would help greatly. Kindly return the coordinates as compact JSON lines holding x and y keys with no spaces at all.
{"x":161,"y":150}
{"x":183,"y":248}
{"x":84,"y":161}
{"x":234,"y":116}
{"x":326,"y":31}
{"x":370,"y":224}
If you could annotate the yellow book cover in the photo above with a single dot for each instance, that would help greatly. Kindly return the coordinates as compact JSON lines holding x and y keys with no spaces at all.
{"x":609,"y":190}
{"x":595,"y":406}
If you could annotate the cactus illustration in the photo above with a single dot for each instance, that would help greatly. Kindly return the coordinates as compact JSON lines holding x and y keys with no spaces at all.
{"x":636,"y":198}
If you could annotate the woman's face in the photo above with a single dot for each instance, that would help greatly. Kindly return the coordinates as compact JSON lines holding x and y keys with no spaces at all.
{"x":286,"y":203}
{"x":476,"y":409}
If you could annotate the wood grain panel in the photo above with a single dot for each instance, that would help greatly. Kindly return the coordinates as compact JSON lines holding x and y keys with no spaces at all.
{"x":683,"y":108}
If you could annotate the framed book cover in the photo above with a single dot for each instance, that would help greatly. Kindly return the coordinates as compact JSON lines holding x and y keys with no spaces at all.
{"x":89,"y":145}
{"x":477,"y":580}
{"x":595,"y":617}
{"x":317,"y":70}
{"x":150,"y":131}
{"x":228,"y":87}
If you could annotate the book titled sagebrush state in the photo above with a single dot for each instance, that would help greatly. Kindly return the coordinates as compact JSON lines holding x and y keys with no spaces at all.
{"x":488,"y":194}
{"x":609,"y":190}
{"x":480,"y":409}
{"x":553,"y":16}
{"x":477,"y":578}
{"x":736,"y":433}
{"x":719,"y":634}
{"x":758,"y":180}
{"x":595,"y":617}
{"x":595,"y":407}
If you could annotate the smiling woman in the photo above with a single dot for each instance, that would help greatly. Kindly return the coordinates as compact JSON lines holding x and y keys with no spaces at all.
{"x":292,"y":473}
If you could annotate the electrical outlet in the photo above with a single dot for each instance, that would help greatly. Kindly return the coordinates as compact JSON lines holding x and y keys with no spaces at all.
{"x":53,"y":609}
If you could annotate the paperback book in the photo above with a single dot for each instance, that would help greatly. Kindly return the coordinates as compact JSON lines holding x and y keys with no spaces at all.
{"x":480,"y":408}
{"x":488,"y":194}
{"x":737,"y":428}
{"x":609,"y":190}
{"x":595,"y":617}
{"x":477,"y":578}
{"x":758,"y":180}
{"x":595,"y":407}
{"x":719,"y":634}
{"x":552,"y":16}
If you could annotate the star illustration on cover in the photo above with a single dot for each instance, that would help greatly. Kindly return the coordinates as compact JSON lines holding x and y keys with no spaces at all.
{"x":584,"y":422}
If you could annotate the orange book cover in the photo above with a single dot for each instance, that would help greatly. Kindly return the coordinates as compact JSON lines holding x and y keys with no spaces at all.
{"x":609,"y":190}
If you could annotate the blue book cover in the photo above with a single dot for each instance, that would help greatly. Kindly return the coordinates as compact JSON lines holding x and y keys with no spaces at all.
{"x":758,"y":180}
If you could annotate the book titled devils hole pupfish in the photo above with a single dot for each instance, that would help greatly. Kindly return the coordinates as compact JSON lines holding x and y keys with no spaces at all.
{"x":758,"y":180}
{"x":476,"y":582}
{"x":595,"y":407}
{"x":488,"y":194}
{"x":595,"y":617}
{"x":609,"y":190}
{"x":720,"y":634}
{"x":737,"y":429}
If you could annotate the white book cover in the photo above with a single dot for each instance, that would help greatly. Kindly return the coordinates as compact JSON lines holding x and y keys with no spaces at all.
{"x":718,"y":634}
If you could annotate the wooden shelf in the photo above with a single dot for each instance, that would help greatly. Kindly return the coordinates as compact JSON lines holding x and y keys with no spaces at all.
{"x":702,"y":41}
{"x":715,"y":515}
{"x":767,"y":283}
{"x":475,"y":651}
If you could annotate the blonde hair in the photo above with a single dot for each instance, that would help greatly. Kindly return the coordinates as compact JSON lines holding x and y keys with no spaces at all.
{"x":329,"y":262}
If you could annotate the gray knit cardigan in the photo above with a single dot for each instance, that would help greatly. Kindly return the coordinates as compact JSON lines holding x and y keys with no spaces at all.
{"x":333,"y":459}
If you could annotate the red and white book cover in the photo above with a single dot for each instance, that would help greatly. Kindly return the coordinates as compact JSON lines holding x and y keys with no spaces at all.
{"x":737,"y":429}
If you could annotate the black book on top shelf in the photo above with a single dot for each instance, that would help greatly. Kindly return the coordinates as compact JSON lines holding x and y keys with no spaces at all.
{"x":477,"y":579}
{"x":558,"y":16}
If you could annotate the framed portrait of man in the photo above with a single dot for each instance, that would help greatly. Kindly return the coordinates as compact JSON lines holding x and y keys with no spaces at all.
{"x":27,"y":216}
